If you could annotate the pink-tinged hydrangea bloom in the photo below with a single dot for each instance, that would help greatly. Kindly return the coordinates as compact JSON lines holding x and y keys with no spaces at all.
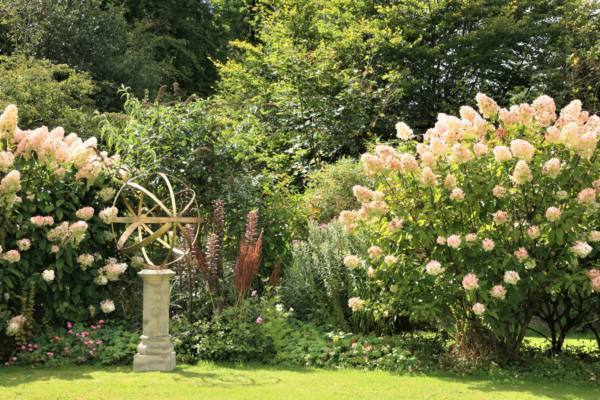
{"x":428,"y":178}
{"x":552,"y":214}
{"x":374,"y":252}
{"x":478,"y":309}
{"x":85,"y":213}
{"x":441,"y":240}
{"x":468,"y":113}
{"x":408,"y":163}
{"x":522,"y":149}
{"x":499,"y":191}
{"x":113,"y":269}
{"x":106,"y":194}
{"x":594,"y":275}
{"x":438,"y":147}
{"x":450,"y":181}
{"x":480,"y":149}
{"x":581,"y":249}
{"x":12,"y":256}
{"x":544,"y":110}
{"x":55,"y":248}
{"x":498,"y":292}
{"x":390,"y":260}
{"x":488,"y":244}
{"x":470,"y":237}
{"x":362,"y":194}
{"x":108,"y":214}
{"x":15,"y":325}
{"x":521,"y":254}
{"x":470,"y":282}
{"x":587,"y":196}
{"x":428,"y":159}
{"x":457,"y":194}
{"x":511,"y":277}
{"x":453,"y":241}
{"x":48,"y":275}
{"x":374,"y":208}
{"x":351,"y":261}
{"x":521,"y":174}
{"x":552,"y":168}
{"x":500,"y":217}
{"x":24,"y":244}
{"x":372,"y":164}
{"x":107,"y":306}
{"x":11,"y":183}
{"x":403,"y":131}
{"x":561,"y":194}
{"x":370,"y":272}
{"x":356,"y":304}
{"x":596,"y":185}
{"x":6,"y":160}
{"x":594,"y":236}
{"x":502,"y":153}
{"x":533,"y":232}
{"x":395,"y":225}
{"x":85,"y":260}
{"x":434,"y":268}
{"x":487,"y":106}
{"x":461,"y":154}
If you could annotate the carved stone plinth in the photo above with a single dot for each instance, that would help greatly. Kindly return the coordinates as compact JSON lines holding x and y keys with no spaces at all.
{"x":155,"y":351}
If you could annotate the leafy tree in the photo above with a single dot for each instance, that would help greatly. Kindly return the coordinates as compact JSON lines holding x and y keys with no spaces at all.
{"x":47,"y":94}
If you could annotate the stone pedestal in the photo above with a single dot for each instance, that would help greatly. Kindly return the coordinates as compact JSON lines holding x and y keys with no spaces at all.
{"x":155,"y":351}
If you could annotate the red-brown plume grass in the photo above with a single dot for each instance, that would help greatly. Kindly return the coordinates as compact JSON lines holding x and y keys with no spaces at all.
{"x":249,"y":257}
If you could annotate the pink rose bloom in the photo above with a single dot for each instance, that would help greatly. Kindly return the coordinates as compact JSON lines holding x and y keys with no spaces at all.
{"x":24,"y":244}
{"x":453,"y":241}
{"x":478,"y":309}
{"x":498,"y":292}
{"x":587,"y":196}
{"x":521,"y":254}
{"x":55,"y":248}
{"x":470,"y":282}
{"x":500,"y":217}
{"x":488,"y":244}
{"x":553,"y":214}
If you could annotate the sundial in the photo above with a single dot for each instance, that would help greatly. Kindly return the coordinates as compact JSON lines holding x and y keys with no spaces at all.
{"x":155,"y":209}
{"x":154,"y":219}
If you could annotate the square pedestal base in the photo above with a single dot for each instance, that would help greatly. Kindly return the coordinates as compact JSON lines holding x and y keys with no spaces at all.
{"x":145,"y":362}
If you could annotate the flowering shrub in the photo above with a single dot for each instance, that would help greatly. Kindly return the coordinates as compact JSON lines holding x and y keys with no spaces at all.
{"x":481,"y":223}
{"x":52,"y":239}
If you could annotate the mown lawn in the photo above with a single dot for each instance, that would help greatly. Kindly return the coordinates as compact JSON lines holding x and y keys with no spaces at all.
{"x":208,"y":381}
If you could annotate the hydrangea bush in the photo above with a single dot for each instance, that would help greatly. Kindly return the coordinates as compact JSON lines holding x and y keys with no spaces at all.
{"x":55,"y":250}
{"x":478,"y":225}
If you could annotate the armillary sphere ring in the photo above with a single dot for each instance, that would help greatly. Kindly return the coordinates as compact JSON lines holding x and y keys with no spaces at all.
{"x":169,"y":216}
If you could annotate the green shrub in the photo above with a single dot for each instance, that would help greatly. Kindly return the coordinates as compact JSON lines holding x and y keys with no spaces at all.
{"x":231,"y":336}
{"x":317,"y":284}
{"x":327,"y":190}
{"x":55,"y":262}
{"x":47,"y":94}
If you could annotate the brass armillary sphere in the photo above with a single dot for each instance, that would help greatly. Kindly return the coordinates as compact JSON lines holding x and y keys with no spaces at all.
{"x":155,"y":218}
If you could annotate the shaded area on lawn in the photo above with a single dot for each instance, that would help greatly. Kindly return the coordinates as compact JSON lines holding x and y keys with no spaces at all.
{"x":259,"y":382}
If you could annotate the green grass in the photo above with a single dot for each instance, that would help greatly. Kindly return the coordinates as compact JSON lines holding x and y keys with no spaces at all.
{"x":208,"y":381}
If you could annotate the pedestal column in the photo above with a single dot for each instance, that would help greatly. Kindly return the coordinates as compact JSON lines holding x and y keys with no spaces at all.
{"x":155,"y":351}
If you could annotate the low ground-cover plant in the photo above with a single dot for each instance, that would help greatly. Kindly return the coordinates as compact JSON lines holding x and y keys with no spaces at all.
{"x":55,"y":264}
{"x":493,"y":215}
{"x":77,"y":343}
